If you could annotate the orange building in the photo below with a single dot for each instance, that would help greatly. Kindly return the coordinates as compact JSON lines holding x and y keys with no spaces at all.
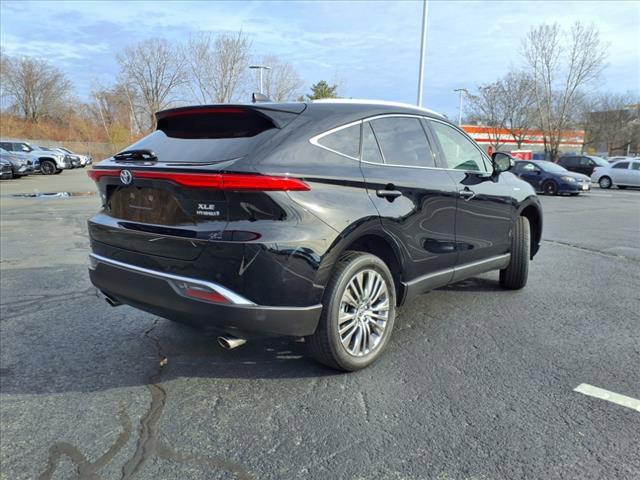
{"x":488,"y":137}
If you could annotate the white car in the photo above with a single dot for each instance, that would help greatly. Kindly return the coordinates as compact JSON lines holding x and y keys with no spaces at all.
{"x":622,"y":174}
{"x":83,"y":159}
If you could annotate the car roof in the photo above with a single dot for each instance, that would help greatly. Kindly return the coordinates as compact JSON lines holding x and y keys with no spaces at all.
{"x":360,"y":104}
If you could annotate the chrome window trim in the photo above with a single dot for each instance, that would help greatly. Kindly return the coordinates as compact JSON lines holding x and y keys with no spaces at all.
{"x":473,"y":142}
{"x":315,"y":140}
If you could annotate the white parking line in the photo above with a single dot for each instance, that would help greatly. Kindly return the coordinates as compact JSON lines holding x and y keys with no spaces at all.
{"x":612,"y":397}
{"x":597,"y":195}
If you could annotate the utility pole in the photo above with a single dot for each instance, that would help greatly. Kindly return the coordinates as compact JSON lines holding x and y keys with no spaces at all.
{"x":261,"y":68}
{"x":460,"y":91}
{"x":423,"y":50}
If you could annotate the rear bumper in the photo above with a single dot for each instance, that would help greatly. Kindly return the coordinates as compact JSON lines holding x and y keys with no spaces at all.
{"x":160,"y":294}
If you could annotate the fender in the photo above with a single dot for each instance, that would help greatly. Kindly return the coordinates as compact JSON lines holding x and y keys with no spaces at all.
{"x":365,"y":227}
{"x":531,"y":208}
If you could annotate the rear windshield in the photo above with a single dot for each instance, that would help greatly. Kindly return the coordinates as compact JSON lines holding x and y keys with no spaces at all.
{"x":207,"y":135}
{"x":201,"y":150}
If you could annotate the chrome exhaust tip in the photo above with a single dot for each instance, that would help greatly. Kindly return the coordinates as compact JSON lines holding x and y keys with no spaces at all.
{"x":110,"y":300}
{"x":229,"y":342}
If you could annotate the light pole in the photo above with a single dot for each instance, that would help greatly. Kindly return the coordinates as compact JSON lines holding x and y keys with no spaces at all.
{"x":423,"y":47}
{"x":460,"y":92}
{"x":261,"y":68}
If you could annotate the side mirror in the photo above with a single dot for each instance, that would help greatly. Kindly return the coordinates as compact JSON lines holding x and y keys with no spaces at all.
{"x":502,"y":162}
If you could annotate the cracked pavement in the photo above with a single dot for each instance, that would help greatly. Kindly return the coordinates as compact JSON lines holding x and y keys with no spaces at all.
{"x":477,"y":382}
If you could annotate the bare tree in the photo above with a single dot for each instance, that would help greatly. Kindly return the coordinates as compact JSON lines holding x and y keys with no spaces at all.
{"x":35,"y":88}
{"x":154,"y":70}
{"x":561,"y":65}
{"x":612,"y":122}
{"x":217,"y":66}
{"x":281,"y":82}
{"x":113,"y":109}
{"x":516,"y":95}
{"x":487,"y":108}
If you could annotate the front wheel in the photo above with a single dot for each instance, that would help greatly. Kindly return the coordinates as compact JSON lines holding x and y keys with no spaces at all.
{"x":514,"y":277}
{"x":48,"y":167}
{"x":550,"y":188}
{"x":358,"y":314}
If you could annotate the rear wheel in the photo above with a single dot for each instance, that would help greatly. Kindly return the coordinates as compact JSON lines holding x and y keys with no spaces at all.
{"x":550,"y":188}
{"x":47,"y":167}
{"x":514,"y":277}
{"x":604,"y":182}
{"x":358,"y":314}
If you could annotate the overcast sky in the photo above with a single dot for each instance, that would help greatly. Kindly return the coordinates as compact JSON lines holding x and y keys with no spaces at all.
{"x":371,"y":48}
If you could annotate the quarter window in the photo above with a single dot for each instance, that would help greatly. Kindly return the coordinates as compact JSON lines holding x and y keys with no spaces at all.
{"x":345,"y":141}
{"x":621,"y":165}
{"x":370,"y":149}
{"x":460,"y":152}
{"x":403,"y":141}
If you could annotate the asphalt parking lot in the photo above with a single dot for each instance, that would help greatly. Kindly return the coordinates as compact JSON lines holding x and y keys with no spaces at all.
{"x":478,"y":383}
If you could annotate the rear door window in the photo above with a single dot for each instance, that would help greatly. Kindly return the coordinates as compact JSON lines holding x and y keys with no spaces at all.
{"x":635,"y":166}
{"x":345,"y":141}
{"x":403,"y":141}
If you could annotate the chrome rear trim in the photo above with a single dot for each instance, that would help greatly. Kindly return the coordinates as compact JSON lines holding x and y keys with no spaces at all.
{"x":169,"y":277}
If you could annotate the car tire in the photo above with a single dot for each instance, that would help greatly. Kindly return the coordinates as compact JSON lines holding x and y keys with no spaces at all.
{"x":344,"y":351}
{"x":605,"y":182}
{"x":47,"y":167}
{"x":58,"y":172}
{"x":514,"y":277}
{"x":550,"y":188}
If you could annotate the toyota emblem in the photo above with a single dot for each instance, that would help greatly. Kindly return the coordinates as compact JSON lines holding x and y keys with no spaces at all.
{"x":126,"y":177}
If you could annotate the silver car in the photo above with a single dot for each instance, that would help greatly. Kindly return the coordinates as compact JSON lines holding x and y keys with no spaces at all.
{"x":83,"y":160}
{"x":622,"y":174}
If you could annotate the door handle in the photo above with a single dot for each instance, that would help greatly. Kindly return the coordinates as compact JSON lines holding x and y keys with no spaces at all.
{"x":389,"y":194}
{"x":467,"y":194}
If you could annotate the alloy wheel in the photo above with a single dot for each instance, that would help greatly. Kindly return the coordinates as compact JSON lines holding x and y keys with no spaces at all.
{"x":364,"y":313}
{"x":550,"y":188}
{"x":47,"y":168}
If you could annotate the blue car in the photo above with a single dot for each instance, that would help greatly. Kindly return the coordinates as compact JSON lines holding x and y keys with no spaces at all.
{"x":550,"y":178}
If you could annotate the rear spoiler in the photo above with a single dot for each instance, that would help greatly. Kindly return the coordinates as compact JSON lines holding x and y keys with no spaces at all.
{"x":280,"y":114}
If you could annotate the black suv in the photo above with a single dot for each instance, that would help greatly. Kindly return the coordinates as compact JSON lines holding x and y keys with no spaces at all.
{"x":584,"y":164}
{"x":311,"y":220}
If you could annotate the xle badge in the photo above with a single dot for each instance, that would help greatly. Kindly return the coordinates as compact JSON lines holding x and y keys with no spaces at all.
{"x":207,"y":210}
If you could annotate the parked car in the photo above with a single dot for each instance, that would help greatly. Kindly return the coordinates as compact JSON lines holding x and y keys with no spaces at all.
{"x":6,"y":171}
{"x":551,"y":179}
{"x":84,"y":160}
{"x":622,"y":174}
{"x":272,"y":219}
{"x":50,"y":162}
{"x":584,"y":164}
{"x":20,"y":166}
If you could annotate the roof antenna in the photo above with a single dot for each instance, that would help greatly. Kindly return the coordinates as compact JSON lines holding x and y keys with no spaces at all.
{"x":259,"y":98}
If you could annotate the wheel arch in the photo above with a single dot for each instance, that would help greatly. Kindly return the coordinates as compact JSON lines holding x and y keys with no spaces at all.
{"x":370,"y":238}
{"x":533,"y":212}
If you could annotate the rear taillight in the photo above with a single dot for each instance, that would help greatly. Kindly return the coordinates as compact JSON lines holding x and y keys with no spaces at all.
{"x":216,"y":181}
